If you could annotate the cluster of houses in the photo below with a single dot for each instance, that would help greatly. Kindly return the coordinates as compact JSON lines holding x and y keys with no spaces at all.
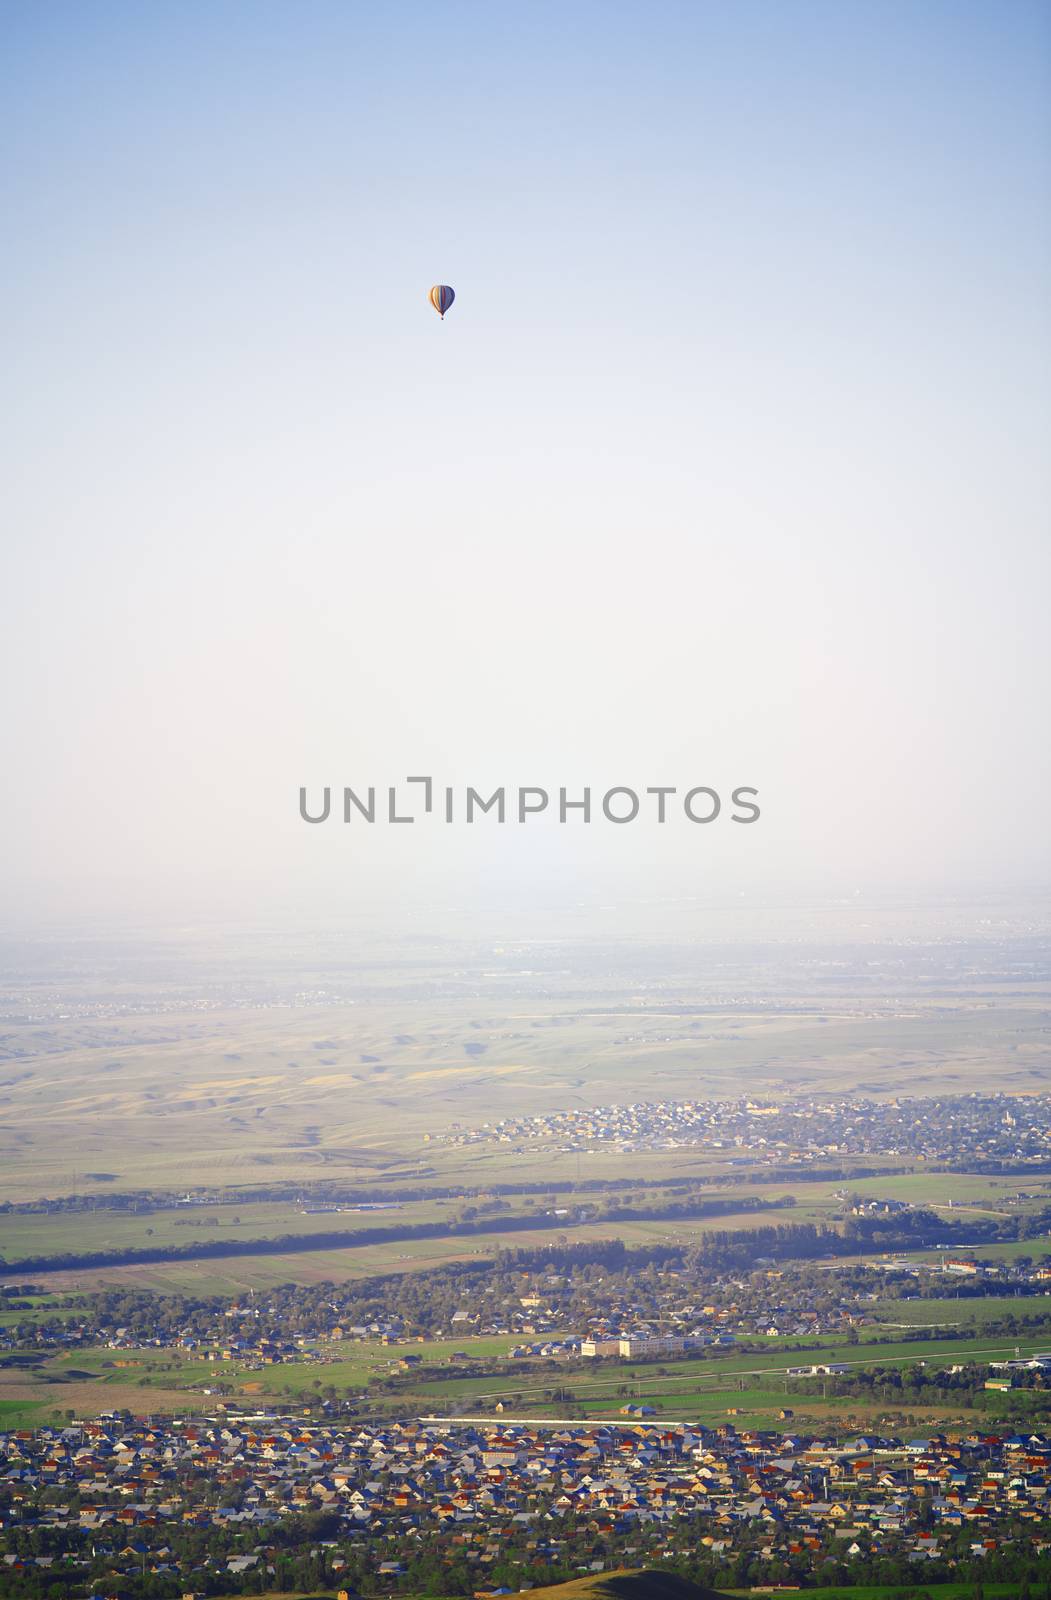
{"x":991,"y":1127}
{"x":669,"y":1313}
{"x":249,"y":1334}
{"x":129,"y":1485}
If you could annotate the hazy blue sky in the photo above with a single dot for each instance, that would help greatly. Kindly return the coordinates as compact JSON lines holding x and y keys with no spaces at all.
{"x":726,"y":466}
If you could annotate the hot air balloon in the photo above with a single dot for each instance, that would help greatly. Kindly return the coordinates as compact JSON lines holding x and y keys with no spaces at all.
{"x":441,"y":298}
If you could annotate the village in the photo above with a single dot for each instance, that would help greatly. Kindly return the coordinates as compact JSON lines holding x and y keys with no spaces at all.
{"x":590,"y":1300}
{"x":203,"y":1501}
{"x":601,"y":1302}
{"x":994,"y":1129}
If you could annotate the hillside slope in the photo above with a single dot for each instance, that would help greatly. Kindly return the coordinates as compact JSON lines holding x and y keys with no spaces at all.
{"x":654,"y":1584}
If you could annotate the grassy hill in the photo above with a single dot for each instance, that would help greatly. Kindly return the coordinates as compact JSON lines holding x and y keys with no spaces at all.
{"x":627,"y":1585}
{"x":622,"y":1585}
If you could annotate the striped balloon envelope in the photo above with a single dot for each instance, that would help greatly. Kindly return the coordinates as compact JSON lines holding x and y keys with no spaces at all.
{"x":441,"y":298}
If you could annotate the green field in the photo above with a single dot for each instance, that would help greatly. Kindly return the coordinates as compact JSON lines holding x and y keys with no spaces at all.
{"x":958,"y":1313}
{"x":33,"y":1235}
{"x":43,"y":1308}
{"x":20,"y":1413}
{"x":234,"y":1275}
{"x":54,"y":1233}
{"x":709,"y":1390}
{"x":987,"y":1194}
{"x":1007,"y":1251}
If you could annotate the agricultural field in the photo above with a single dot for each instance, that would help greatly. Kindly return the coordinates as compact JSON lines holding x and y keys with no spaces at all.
{"x":961,"y":1312}
{"x":952,"y":1190}
{"x":771,"y":1408}
{"x":40,"y":1234}
{"x":1005,"y":1250}
{"x":237,"y":1274}
{"x":42,"y":1311}
{"x":214,"y":1227}
{"x":754,"y":1388}
{"x":55,"y":1233}
{"x":748,"y":1389}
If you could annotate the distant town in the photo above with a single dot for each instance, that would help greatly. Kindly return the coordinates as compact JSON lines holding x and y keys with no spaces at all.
{"x":980,"y":1128}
